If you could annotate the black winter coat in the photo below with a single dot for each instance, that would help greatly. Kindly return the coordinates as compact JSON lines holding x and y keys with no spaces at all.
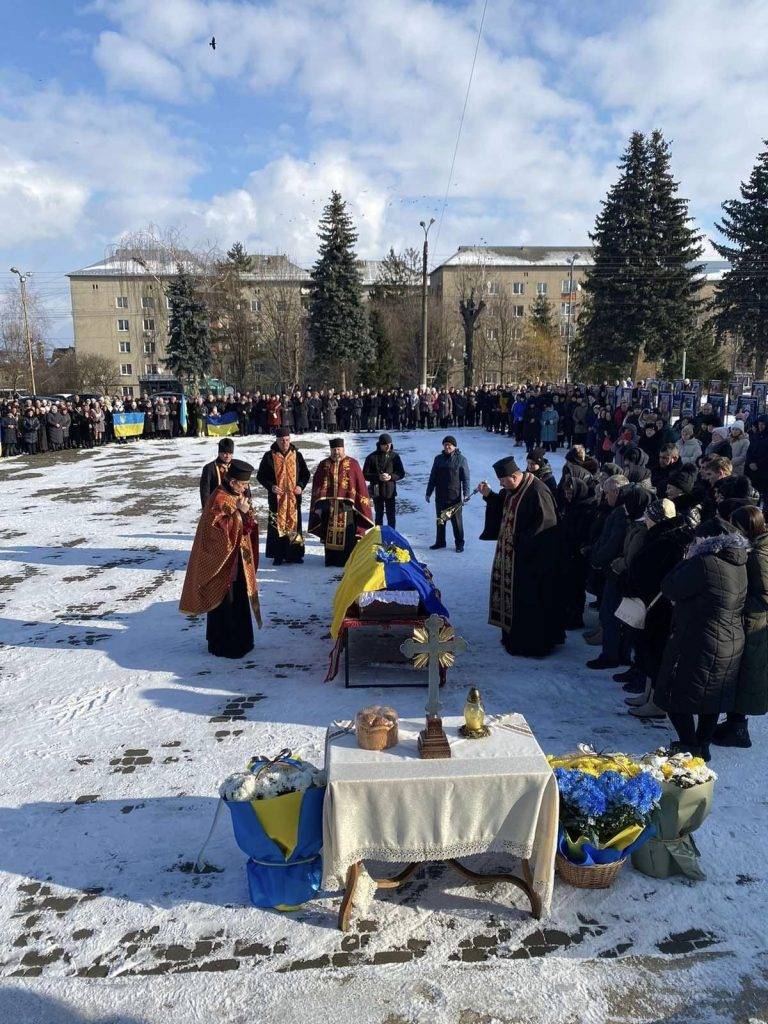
{"x":752,"y":689}
{"x":377,"y":463}
{"x":701,"y":660}
{"x":449,"y":477}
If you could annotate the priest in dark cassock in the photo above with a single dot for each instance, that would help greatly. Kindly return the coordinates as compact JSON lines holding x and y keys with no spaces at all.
{"x":341,"y":508}
{"x":522,"y":519}
{"x":221,"y":573}
{"x":284,"y":474}
{"x":215,"y":472}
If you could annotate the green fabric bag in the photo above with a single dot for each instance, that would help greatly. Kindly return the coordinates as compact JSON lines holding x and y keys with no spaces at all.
{"x":673,"y":851}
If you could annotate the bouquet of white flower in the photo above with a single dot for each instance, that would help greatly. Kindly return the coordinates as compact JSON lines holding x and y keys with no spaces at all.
{"x":687,"y":786}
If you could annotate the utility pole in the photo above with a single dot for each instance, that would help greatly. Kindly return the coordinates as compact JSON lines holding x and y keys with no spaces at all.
{"x":571,"y":261}
{"x":685,"y":358}
{"x":25,"y":313}
{"x":426,"y":228}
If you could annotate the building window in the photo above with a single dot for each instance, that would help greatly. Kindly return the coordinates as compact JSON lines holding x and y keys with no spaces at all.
{"x":122,"y":325}
{"x":518,"y":288}
{"x":491,"y":334}
{"x":493,"y":287}
{"x":149,"y":348}
{"x":565,"y":286}
{"x":518,"y":311}
{"x":126,"y":370}
{"x":121,"y":302}
{"x":255,"y":305}
{"x":127,"y":391}
{"x":149,"y":323}
{"x":125,"y":346}
{"x":147,"y":302}
{"x":565,"y":308}
{"x":94,"y":287}
{"x":563,"y":330}
{"x":541,"y":288}
{"x":150,"y":368}
{"x":167,"y":302}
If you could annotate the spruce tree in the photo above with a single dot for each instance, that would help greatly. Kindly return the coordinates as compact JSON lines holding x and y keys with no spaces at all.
{"x":677,"y":280}
{"x":188,"y":351}
{"x":238,"y":257}
{"x":381,"y":371}
{"x":338,"y":325}
{"x":618,"y":308}
{"x":541,"y":315}
{"x":741,"y":298}
{"x":641,"y":296}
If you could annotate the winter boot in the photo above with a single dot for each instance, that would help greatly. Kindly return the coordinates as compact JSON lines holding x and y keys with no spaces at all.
{"x":732,"y":734}
{"x":594,"y":637}
{"x":648,"y":710}
{"x":602,"y":662}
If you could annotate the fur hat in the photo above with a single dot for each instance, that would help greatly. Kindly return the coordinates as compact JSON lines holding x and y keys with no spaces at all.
{"x":227,"y":445}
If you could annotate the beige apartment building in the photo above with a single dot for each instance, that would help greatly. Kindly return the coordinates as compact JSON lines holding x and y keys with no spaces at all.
{"x":509,"y":279}
{"x":120,"y":309}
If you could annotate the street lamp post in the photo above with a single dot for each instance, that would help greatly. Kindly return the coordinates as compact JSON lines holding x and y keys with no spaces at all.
{"x":425,"y":228}
{"x":27,"y":335}
{"x":570,"y":262}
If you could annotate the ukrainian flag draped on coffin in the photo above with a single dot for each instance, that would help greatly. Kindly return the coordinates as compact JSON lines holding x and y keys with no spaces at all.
{"x":128,"y":424}
{"x":220,"y":426}
{"x":384,"y":560}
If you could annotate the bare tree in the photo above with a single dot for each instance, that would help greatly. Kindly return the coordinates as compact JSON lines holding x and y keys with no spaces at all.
{"x":471,"y":284}
{"x":14,"y":357}
{"x":280,"y":302}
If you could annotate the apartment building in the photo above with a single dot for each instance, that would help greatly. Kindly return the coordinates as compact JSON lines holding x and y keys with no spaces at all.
{"x":120,"y":309}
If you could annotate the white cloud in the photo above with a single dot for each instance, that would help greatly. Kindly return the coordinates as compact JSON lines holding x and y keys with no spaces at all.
{"x":127,"y":62}
{"x":36,"y":199}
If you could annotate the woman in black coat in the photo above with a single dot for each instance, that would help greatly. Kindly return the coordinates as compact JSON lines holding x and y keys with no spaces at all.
{"x":752,"y":685}
{"x":663,"y":547}
{"x":577,"y":512}
{"x":701,"y":660}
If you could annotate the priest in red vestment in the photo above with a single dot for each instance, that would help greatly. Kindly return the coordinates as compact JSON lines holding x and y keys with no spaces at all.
{"x":341,"y":508}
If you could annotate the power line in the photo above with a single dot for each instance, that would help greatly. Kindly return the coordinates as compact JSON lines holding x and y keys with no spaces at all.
{"x":461,"y":124}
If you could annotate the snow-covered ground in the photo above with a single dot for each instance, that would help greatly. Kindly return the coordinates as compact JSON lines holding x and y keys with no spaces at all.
{"x":118,"y":727}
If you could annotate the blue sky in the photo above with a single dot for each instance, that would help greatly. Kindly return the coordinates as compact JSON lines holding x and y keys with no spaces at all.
{"x":116,"y":113}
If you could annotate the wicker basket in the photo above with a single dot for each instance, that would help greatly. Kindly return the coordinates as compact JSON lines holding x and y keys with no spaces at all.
{"x":588,"y":876}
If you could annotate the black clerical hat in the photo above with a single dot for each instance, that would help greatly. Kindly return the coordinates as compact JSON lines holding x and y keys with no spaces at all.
{"x":226,"y":444}
{"x":239,"y":470}
{"x":282,"y":432}
{"x":336,"y":442}
{"x":506,"y":467}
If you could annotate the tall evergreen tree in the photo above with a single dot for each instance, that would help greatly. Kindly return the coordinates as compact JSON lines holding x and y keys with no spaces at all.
{"x":677,"y":308}
{"x":617,"y":311}
{"x":641,"y":295}
{"x":741,"y":299}
{"x":381,"y":372}
{"x":541,"y":315}
{"x":188,"y":349}
{"x":338,"y":325}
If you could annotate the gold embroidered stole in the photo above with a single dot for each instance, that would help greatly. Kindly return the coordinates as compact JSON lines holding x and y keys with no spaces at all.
{"x":501,"y":608}
{"x":285,"y":478}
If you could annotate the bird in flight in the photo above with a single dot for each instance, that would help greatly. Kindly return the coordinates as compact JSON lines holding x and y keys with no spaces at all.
{"x":212,"y":43}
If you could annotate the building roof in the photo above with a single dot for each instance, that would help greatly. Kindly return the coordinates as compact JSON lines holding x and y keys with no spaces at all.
{"x":520,"y":256}
{"x":130,"y":263}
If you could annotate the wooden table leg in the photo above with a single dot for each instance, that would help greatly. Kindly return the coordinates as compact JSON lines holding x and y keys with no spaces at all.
{"x":345,"y":910}
{"x":398,"y":880}
{"x":521,"y":883}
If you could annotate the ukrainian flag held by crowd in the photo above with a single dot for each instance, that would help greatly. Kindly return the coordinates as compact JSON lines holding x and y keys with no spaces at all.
{"x":128,"y":424}
{"x":220,"y":426}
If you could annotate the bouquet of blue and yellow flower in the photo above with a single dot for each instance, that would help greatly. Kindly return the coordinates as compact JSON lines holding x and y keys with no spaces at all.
{"x":606,"y":804}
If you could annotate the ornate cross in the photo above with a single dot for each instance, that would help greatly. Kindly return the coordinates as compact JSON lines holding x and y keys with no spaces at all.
{"x":433,"y":645}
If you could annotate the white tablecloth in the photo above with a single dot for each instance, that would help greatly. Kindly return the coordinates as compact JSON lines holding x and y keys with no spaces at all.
{"x":492,"y":795}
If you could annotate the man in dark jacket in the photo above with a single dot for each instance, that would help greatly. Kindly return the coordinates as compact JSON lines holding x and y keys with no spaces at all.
{"x":382,"y":469}
{"x":216,"y":471}
{"x":449,"y":481}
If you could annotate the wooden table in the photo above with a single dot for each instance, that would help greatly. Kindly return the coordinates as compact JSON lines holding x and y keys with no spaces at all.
{"x":496,"y":795}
